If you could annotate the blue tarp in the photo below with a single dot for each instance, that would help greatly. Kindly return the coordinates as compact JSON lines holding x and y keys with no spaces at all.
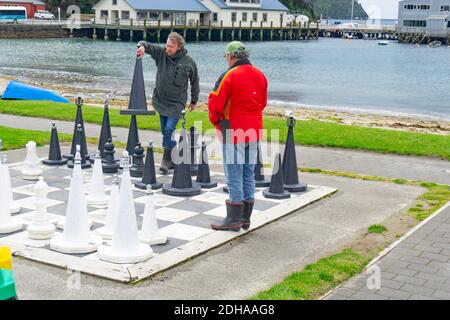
{"x":21,"y":91}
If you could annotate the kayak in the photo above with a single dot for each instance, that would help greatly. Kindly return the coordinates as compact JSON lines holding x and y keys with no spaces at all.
{"x":22,"y":91}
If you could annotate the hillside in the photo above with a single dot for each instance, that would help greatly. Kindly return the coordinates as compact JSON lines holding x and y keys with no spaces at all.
{"x":333,"y":9}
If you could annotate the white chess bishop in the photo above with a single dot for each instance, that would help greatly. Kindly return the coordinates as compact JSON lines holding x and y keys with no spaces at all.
{"x":41,"y":228}
{"x":8,"y":224}
{"x":125,"y":247}
{"x":5,"y":185}
{"x":149,"y":232}
{"x":76,"y":237}
{"x":31,"y":171}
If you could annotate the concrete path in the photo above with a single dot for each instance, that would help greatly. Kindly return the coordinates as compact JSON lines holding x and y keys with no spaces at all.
{"x":370,"y":163}
{"x":418,"y":268}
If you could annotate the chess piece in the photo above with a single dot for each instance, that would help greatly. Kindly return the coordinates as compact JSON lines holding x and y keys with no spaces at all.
{"x":79,"y":137}
{"x":193,"y":146}
{"x":260,"y":179}
{"x":97,"y":195}
{"x":125,"y":246}
{"x":76,"y":237}
{"x":105,"y":132}
{"x":137,"y":104}
{"x":203,"y":174}
{"x":41,"y":228}
{"x":109,"y":164}
{"x":78,"y":121}
{"x":290,"y":169}
{"x":276,"y":189}
{"x":182,"y":185}
{"x":133,"y":135}
{"x":150,"y":233}
{"x":54,"y":154}
{"x":106,"y":232}
{"x":149,"y":176}
{"x":6,"y":186}
{"x":137,"y":170}
{"x":31,"y":171}
{"x":8,"y":224}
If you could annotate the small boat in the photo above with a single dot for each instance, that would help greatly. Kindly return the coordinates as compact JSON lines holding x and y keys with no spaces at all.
{"x":21,"y":91}
{"x":383,"y":43}
{"x":434,"y":44}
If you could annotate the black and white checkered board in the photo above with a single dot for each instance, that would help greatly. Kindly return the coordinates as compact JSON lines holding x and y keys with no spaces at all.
{"x":185,"y":220}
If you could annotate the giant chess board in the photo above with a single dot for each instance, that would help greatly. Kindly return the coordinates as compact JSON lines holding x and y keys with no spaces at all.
{"x":185,"y":220}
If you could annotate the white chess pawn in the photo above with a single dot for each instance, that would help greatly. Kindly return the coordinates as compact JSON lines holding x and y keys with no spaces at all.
{"x":106,"y":232}
{"x":41,"y":228}
{"x":76,"y":237}
{"x":150,"y":233}
{"x":32,"y":171}
{"x":97,"y":196}
{"x":5,"y":185}
{"x":125,"y":247}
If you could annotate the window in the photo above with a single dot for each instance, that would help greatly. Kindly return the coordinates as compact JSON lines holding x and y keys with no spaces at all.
{"x":445,"y":8}
{"x":244,"y":16}
{"x":125,"y":15}
{"x":166,"y":16}
{"x":215,"y":17}
{"x":114,"y":2}
{"x":415,"y":23}
{"x":265,"y":17}
{"x":233,"y":17}
{"x":154,"y":15}
{"x":103,"y":14}
{"x":255,"y":17}
{"x":180,"y":18}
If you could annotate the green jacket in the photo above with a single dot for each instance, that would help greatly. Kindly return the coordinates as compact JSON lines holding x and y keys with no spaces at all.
{"x":171,"y":90}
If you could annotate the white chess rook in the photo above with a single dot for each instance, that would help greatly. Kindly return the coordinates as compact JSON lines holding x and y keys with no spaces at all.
{"x":125,"y":247}
{"x":6,"y":187}
{"x":32,"y":171}
{"x":149,"y":232}
{"x":106,"y":232}
{"x":8,"y":224}
{"x":97,"y":196}
{"x":76,"y":237}
{"x":41,"y":228}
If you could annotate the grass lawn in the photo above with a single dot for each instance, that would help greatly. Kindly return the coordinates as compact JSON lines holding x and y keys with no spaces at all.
{"x":311,"y":132}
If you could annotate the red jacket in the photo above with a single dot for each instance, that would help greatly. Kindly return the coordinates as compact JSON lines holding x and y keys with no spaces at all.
{"x":240,"y":96}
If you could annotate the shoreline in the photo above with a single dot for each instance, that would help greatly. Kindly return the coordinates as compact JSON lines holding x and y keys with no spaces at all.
{"x":412,"y":123}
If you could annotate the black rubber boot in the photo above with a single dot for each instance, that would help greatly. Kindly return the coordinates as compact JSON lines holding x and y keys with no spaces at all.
{"x":233,"y":220}
{"x":247,"y":213}
{"x":164,"y":168}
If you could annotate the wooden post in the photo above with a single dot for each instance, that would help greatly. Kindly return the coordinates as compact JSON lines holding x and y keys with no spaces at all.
{"x":144,"y":36}
{"x":221,"y":30}
{"x":308,"y":31}
{"x":158,"y":32}
{"x":271,"y":30}
{"x":261,"y":32}
{"x":197,"y":32}
{"x":106,"y":29}
{"x":171,"y":24}
{"x":210,"y":30}
{"x":251,"y":30}
{"x":118,"y":30}
{"x":131,"y":29}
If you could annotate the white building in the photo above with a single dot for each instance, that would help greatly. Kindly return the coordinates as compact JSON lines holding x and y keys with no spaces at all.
{"x":428,"y":17}
{"x":187,"y":12}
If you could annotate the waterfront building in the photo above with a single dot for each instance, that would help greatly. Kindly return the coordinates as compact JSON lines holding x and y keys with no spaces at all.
{"x":31,"y":5}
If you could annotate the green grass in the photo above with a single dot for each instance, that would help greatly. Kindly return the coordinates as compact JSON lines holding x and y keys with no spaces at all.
{"x":317,"y":278}
{"x":376,"y":228}
{"x":18,"y":138}
{"x":311,"y":132}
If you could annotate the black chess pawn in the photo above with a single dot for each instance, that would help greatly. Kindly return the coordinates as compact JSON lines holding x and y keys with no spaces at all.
{"x":137,"y":169}
{"x":54,"y":154}
{"x":78,"y":121}
{"x":79,"y":137}
{"x":203,"y":175}
{"x":149,"y":177}
{"x":109,"y":164}
{"x":260,"y":179}
{"x":276,"y":189}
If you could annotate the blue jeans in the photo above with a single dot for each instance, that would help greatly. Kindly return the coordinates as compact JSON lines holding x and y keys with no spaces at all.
{"x":239,"y":162}
{"x":168,"y":126}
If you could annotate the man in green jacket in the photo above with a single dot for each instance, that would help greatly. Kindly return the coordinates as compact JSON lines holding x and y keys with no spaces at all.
{"x":174,"y":69}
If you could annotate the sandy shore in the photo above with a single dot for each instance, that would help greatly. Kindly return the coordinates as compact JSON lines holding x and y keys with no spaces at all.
{"x":404,"y":123}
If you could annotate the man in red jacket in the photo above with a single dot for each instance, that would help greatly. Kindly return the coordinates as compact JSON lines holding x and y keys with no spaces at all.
{"x":235,"y":108}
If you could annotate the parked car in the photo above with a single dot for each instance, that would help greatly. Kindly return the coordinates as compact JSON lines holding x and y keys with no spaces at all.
{"x":44,"y":15}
